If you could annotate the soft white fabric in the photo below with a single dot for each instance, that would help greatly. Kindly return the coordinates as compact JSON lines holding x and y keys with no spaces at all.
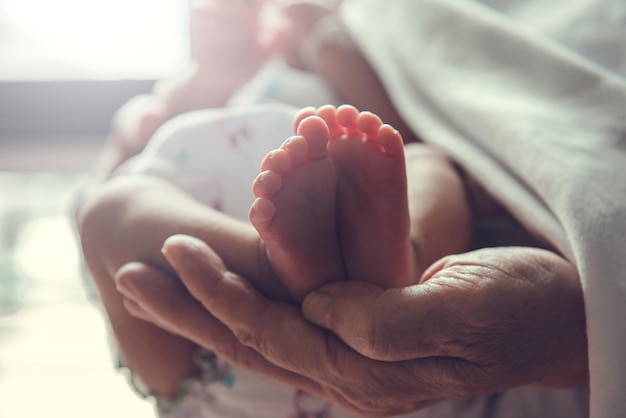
{"x":215,"y":154}
{"x":278,"y":83}
{"x":530,"y":96}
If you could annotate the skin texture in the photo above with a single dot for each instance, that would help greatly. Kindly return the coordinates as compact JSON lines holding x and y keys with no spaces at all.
{"x":507,"y":282}
{"x":331,"y":202}
{"x":127,"y":219}
{"x":485,"y":319}
{"x":342,"y":200}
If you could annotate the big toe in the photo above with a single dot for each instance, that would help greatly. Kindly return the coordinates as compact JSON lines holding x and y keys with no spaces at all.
{"x":317,"y":134}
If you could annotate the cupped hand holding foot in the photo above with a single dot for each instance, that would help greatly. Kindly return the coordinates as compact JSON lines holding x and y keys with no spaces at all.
{"x":456,"y":335}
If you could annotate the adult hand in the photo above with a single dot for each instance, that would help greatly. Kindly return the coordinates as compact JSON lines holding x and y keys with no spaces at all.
{"x":480,"y":322}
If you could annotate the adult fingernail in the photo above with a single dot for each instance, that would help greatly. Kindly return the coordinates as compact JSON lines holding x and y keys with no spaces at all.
{"x":126,"y":290}
{"x":186,"y":253}
{"x":136,"y":310}
{"x":174,"y":243}
{"x":124,"y":281}
{"x":317,"y":308}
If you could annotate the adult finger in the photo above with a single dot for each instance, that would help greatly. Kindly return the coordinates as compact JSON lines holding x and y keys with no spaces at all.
{"x":155,"y":296}
{"x":280,"y":333}
{"x":459,"y":299}
{"x":390,"y":325}
{"x":146,"y":287}
{"x":276,"y":330}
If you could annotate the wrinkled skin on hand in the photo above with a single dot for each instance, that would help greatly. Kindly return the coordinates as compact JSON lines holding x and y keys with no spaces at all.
{"x":478,"y":323}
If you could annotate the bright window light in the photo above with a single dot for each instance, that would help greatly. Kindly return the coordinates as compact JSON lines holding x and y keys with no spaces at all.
{"x":87,"y":39}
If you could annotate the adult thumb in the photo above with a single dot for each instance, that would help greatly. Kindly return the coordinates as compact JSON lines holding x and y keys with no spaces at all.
{"x":389,"y":325}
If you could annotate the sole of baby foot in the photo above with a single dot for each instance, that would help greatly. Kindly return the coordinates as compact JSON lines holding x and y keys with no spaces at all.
{"x":372,"y":201}
{"x":294,"y":210}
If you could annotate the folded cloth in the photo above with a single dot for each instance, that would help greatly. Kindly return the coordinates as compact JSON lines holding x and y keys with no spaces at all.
{"x":531,"y":99}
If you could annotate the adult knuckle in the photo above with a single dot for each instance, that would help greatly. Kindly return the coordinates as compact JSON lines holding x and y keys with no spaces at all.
{"x":247,"y":337}
{"x":354,"y":404}
{"x":230,"y":350}
{"x":251,"y":336}
{"x":370,"y":407}
{"x":371,"y":398}
{"x":391,"y":391}
{"x":376,"y":340}
{"x":380,"y":408}
{"x":339,"y":369}
{"x":250,"y":333}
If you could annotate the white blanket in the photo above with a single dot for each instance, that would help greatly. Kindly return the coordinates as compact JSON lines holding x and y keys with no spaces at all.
{"x":530,"y":96}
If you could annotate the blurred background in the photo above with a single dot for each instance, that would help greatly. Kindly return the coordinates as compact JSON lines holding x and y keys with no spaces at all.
{"x":65,"y":67}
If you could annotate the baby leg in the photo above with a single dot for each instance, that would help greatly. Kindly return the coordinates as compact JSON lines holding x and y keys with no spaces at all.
{"x":440,"y":211}
{"x":294,"y":212}
{"x":372,"y":207}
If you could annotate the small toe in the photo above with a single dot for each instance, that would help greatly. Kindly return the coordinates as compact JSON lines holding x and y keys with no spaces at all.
{"x":301,"y":115}
{"x":266,"y":184}
{"x":329,"y":114}
{"x":277,"y":160}
{"x":347,"y":115}
{"x":297,"y":147}
{"x":261,"y":213}
{"x":369,"y":123}
{"x":390,"y":140}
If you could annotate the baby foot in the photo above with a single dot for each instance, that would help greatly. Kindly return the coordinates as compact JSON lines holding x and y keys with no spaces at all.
{"x":294,"y":212}
{"x":372,"y":202}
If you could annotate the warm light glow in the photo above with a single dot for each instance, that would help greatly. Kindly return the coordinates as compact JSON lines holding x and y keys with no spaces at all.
{"x":45,"y":39}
